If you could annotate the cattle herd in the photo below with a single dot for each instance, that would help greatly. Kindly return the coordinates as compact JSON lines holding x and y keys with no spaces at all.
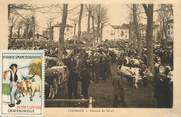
{"x":29,"y":85}
{"x":98,"y":61}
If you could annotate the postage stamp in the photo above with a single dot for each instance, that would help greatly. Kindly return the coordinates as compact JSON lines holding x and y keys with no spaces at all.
{"x":22,"y":83}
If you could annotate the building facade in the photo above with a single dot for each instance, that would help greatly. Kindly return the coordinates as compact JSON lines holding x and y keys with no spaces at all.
{"x":116,"y":32}
{"x":156,"y":30}
{"x":170,"y":30}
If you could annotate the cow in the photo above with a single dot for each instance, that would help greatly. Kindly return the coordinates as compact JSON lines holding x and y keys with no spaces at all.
{"x":132,"y":74}
{"x":33,"y":84}
{"x":55,"y":78}
{"x":22,"y":88}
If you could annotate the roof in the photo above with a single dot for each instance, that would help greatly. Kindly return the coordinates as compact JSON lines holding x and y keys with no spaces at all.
{"x":60,"y":24}
{"x":143,"y":26}
{"x":170,"y":21}
{"x":123,"y":26}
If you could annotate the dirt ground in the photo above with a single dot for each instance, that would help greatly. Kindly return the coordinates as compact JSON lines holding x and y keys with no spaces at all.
{"x":102,"y":93}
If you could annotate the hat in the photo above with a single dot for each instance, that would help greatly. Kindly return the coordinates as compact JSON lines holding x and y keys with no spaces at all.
{"x":15,"y":65}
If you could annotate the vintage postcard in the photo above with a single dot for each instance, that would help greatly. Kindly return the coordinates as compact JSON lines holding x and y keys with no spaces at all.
{"x":100,"y":59}
{"x":103,"y":58}
{"x":22,"y":83}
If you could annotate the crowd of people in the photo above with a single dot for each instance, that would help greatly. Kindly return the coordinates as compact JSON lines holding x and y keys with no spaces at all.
{"x":86,"y":66}
{"x":96,"y":64}
{"x":92,"y":65}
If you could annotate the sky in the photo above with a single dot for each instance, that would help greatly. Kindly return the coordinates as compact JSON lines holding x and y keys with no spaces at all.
{"x":117,"y":15}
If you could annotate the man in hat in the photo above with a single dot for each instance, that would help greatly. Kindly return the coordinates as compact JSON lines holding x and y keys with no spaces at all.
{"x":118,"y":87}
{"x":14,"y":79}
{"x":85,"y":81}
{"x":73,"y":83}
{"x":164,"y":90}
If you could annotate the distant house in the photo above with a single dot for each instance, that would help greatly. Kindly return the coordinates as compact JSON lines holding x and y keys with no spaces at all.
{"x":68,"y":32}
{"x":116,"y":32}
{"x":170,"y":30}
{"x":142,"y":28}
{"x":45,"y":33}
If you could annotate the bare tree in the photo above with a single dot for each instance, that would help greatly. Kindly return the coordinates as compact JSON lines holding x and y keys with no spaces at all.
{"x":62,"y":30}
{"x":50,"y":30}
{"x":132,"y":39}
{"x":26,"y":32}
{"x":165,"y":13}
{"x":148,"y":8}
{"x":74,"y":20}
{"x":93,"y":24}
{"x":33,"y":29}
{"x":12,"y":8}
{"x":93,"y":21}
{"x":137,"y":30}
{"x":101,"y":19}
{"x":20,"y":25}
{"x":80,"y":20}
{"x":12,"y":21}
{"x":89,"y":9}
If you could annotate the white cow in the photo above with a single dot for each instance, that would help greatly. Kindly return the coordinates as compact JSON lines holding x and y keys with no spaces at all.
{"x":136,"y":62}
{"x":132,"y":74}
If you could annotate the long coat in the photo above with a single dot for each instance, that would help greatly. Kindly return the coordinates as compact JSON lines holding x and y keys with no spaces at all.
{"x":118,"y":87}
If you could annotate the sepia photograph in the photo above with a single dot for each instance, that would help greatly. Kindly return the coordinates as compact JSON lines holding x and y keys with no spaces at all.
{"x":99,"y":55}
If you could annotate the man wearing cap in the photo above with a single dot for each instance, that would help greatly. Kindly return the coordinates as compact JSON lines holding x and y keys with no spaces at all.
{"x":118,"y":87}
{"x":85,"y":81}
{"x":14,"y":79}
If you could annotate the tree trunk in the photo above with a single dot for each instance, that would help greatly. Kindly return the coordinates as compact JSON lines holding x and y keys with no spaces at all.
{"x":26,"y":34}
{"x":165,"y":33}
{"x":80,"y":20}
{"x":88,"y":20}
{"x":132,"y":40}
{"x":161,"y":33}
{"x":9,"y":8}
{"x":149,"y":36}
{"x":98,"y":28}
{"x":51,"y":33}
{"x":61,"y":33}
{"x":10,"y":31}
{"x":93,"y":30}
{"x":75,"y":26}
{"x":101,"y":31}
{"x":137,"y":31}
{"x":93,"y":27}
{"x":33,"y":30}
{"x":18,"y":32}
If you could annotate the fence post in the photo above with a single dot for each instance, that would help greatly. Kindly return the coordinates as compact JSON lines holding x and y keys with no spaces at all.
{"x":90,"y":102}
